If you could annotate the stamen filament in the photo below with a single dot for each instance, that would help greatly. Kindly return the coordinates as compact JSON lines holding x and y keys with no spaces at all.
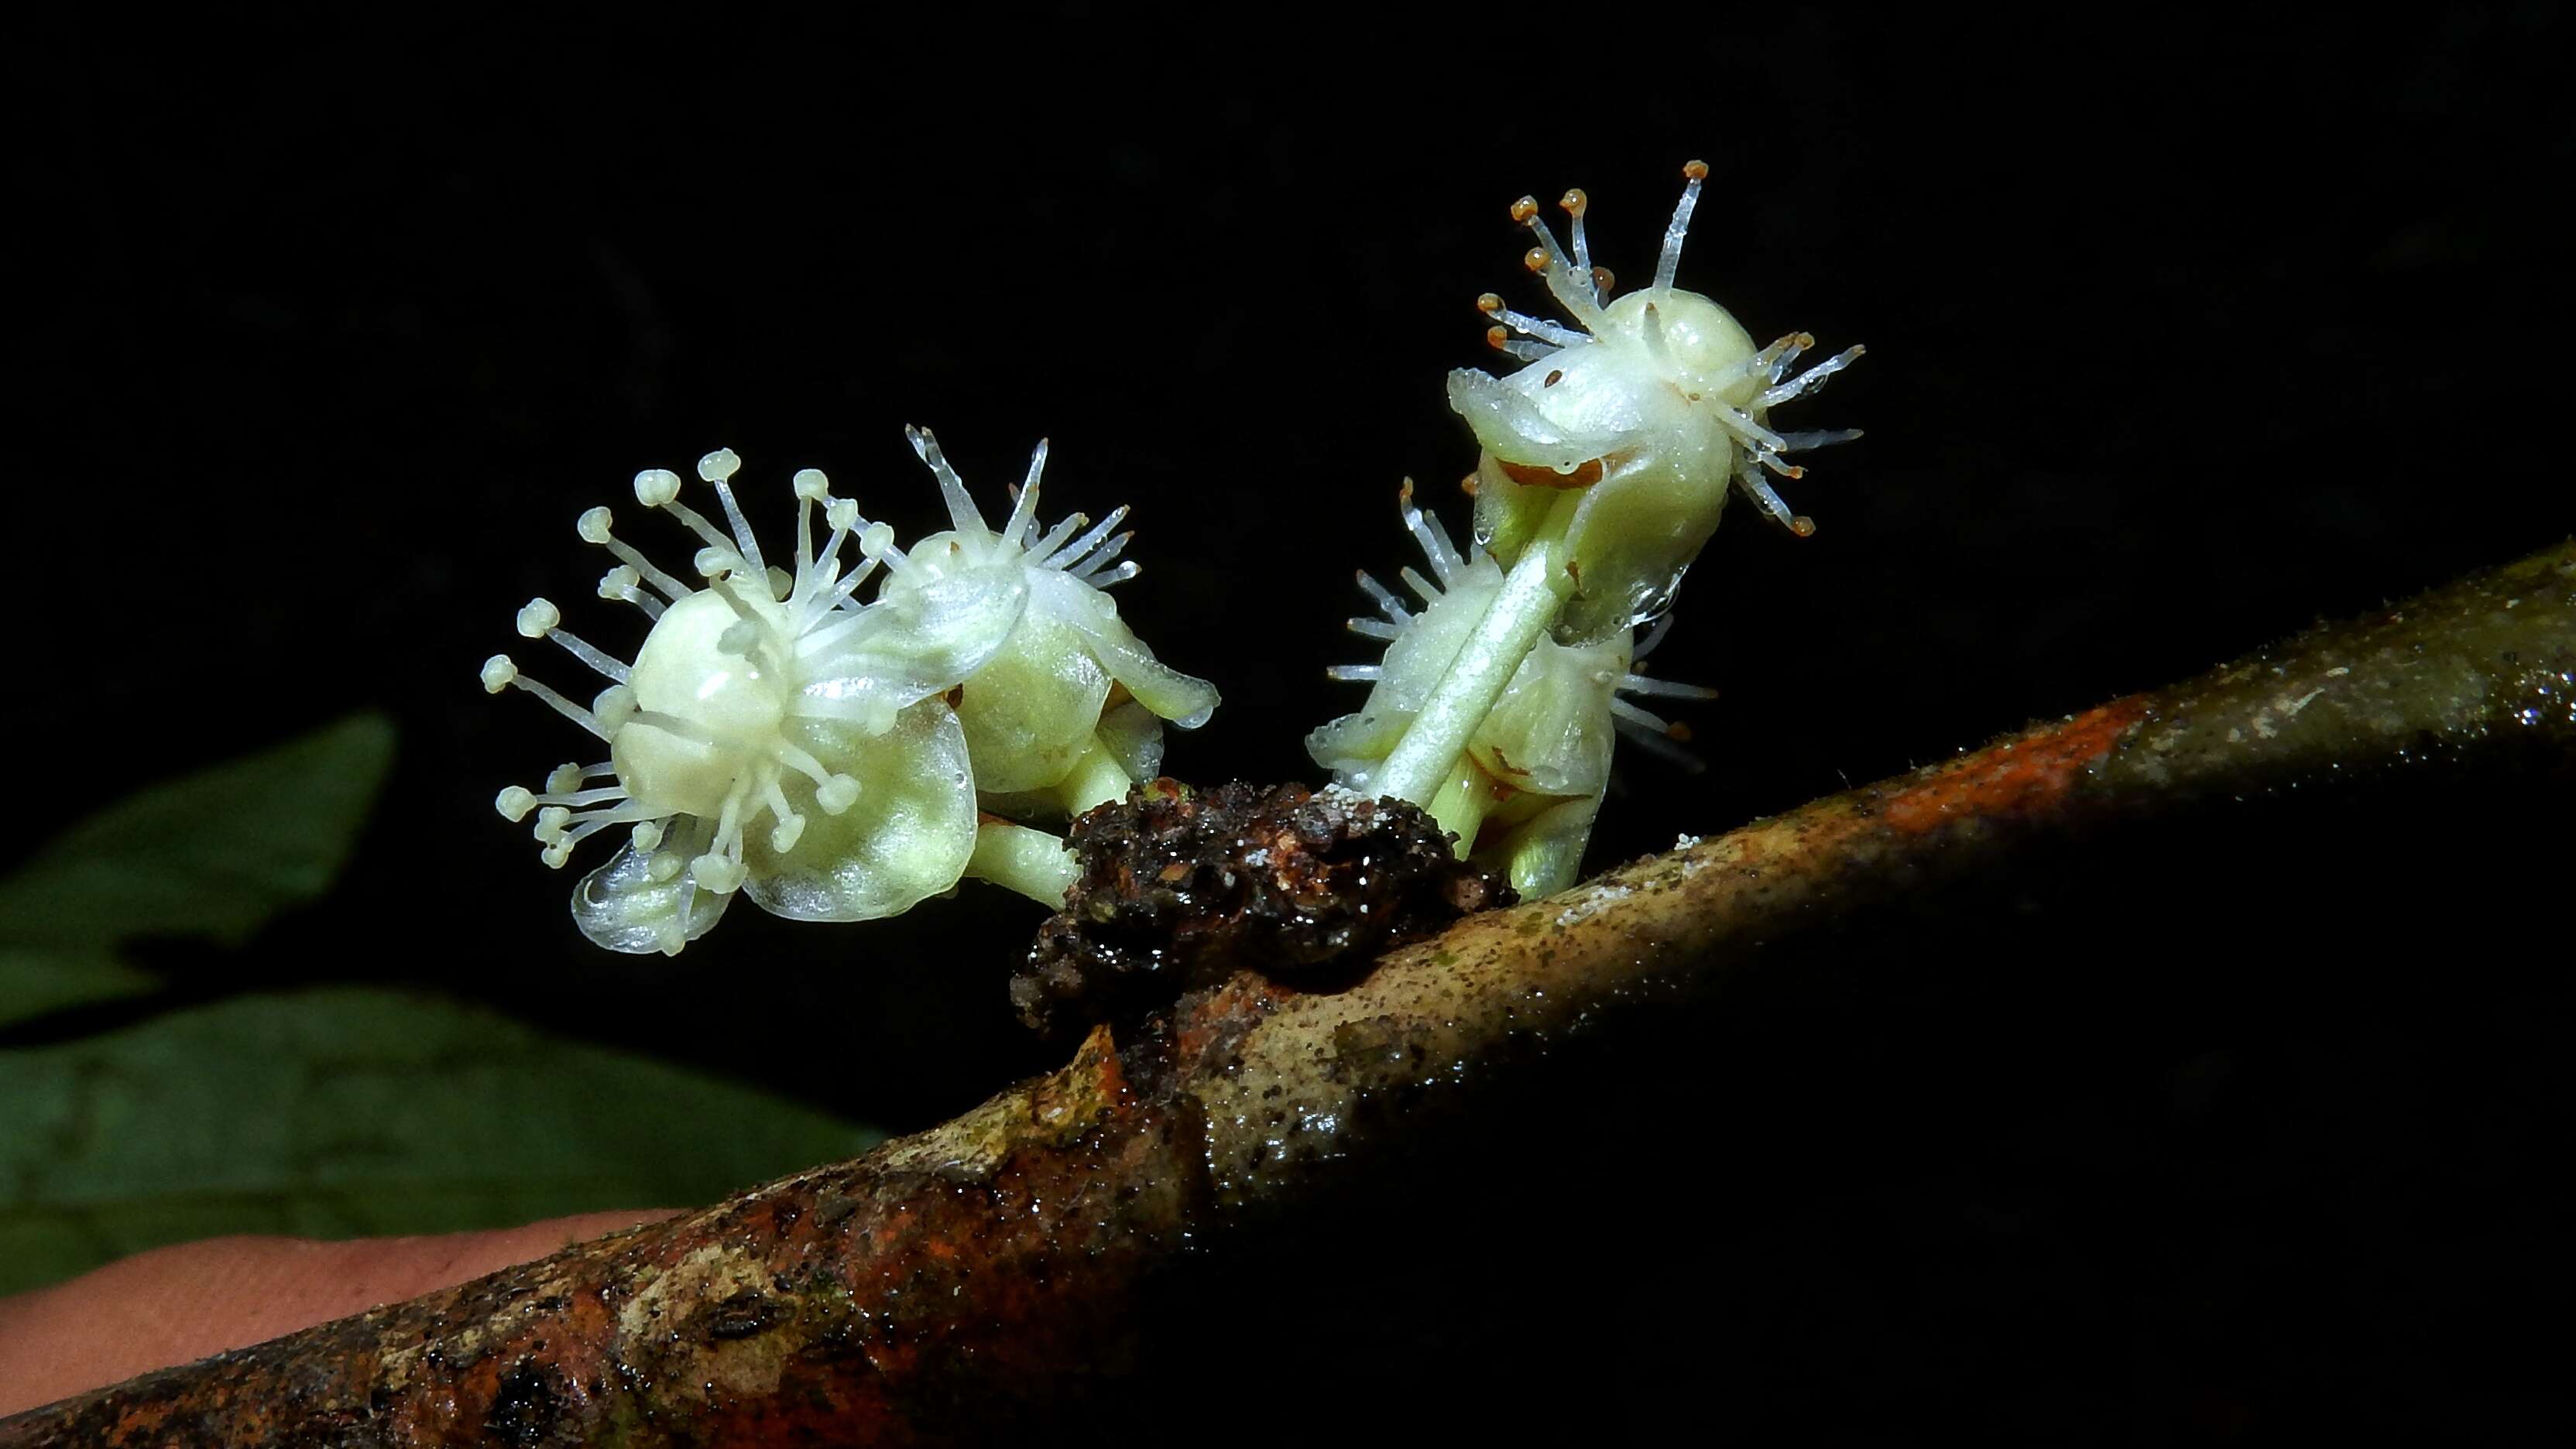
{"x":1024,"y":509}
{"x":607,"y":664}
{"x":1064,"y":557}
{"x":1669,"y":263}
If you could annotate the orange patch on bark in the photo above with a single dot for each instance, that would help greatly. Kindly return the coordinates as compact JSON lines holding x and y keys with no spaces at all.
{"x":2027,"y":775}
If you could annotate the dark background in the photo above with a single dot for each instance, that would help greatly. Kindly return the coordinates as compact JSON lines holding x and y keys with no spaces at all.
{"x":2180,"y":337}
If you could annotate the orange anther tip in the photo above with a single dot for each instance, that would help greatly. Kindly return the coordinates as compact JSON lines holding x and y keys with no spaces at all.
{"x":1574,"y":200}
{"x":1488,"y":303}
{"x":1678,"y":732}
{"x":1803,"y":526}
{"x":1695,"y":170}
{"x":1535,"y":259}
{"x":1525,"y":208}
{"x":1602,"y":280}
{"x":1497,"y":335}
{"x":1467,"y":485}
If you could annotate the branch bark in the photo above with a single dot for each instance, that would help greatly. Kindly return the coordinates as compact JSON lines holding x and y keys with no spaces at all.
{"x":949,"y":1282}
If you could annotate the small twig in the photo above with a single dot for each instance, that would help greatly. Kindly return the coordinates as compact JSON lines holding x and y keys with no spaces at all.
{"x":943,"y":1285}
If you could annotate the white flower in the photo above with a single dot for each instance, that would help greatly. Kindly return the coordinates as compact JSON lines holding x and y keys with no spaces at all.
{"x":1651,"y":405}
{"x":1603,"y":466}
{"x":762,"y":695}
{"x":1524,"y":791}
{"x":1038,"y":711}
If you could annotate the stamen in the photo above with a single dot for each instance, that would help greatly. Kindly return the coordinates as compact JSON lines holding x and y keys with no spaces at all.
{"x":963,"y":515}
{"x":718,"y":469}
{"x":660,"y":488}
{"x":791,"y":825}
{"x":1377,"y":629}
{"x":1024,"y":507}
{"x":720,"y":869}
{"x":727,"y":588}
{"x":555,"y":854}
{"x":620,"y":583}
{"x":1049,"y":546}
{"x":1106,"y":556}
{"x":1658,"y":742}
{"x":671,"y":724}
{"x":876,"y":541}
{"x":1354,"y":673}
{"x":1748,"y":476}
{"x":1633,"y":715}
{"x":1527,"y":325}
{"x":1811,"y":379}
{"x":829,"y":788}
{"x":1387,"y":603}
{"x":1770,"y":458}
{"x":1662,"y":688}
{"x":540,"y":619}
{"x":1669,"y":264}
{"x":593,"y":527}
{"x":810,"y":487}
{"x":1114,"y":577}
{"x":1064,"y":557}
{"x":1420,"y":585}
{"x":1575,"y":204}
{"x":1571,"y":291}
{"x":1751,"y":430}
{"x":1427,"y":531}
{"x":1801,"y":442}
{"x":839,"y":595}
{"x":500,"y":674}
{"x":1775,"y":359}
{"x":1651,"y":327}
{"x":579,"y":798}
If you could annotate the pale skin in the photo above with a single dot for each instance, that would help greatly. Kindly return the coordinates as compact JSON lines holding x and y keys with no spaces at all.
{"x":179,"y":1304}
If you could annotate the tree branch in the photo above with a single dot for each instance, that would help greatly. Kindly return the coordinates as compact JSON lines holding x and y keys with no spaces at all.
{"x":945,"y":1284}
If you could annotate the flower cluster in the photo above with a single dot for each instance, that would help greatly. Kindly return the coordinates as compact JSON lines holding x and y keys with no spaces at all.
{"x":836,"y":759}
{"x":1524,"y":791}
{"x":1605,"y":461}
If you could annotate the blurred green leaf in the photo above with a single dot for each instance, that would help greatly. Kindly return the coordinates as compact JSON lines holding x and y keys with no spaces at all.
{"x":213,"y":856}
{"x":34,"y":982}
{"x":349,"y":1111}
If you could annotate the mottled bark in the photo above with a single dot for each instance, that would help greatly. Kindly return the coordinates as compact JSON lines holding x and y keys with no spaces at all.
{"x":945,"y":1284}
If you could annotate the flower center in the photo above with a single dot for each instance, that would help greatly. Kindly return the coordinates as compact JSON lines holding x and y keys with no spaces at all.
{"x":720,"y":679}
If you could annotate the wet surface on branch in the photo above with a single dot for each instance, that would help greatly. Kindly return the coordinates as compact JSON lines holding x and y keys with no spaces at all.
{"x":951,"y":1283}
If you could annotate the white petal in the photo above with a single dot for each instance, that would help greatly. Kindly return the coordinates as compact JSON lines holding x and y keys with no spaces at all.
{"x":907,"y":837}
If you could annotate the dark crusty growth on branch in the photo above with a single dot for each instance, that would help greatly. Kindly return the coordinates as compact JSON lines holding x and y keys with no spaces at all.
{"x":1183,"y":888}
